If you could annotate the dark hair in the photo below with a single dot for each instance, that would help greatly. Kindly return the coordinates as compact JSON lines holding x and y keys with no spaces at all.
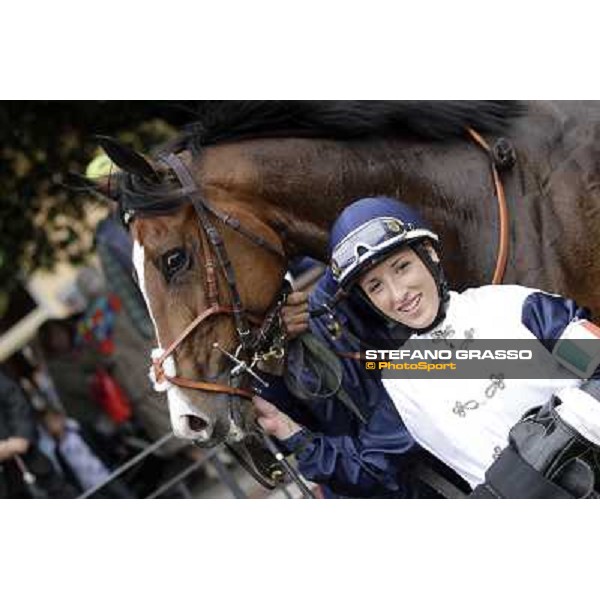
{"x":222,"y":121}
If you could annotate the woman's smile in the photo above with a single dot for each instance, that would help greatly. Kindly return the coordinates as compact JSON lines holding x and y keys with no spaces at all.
{"x":410,"y":304}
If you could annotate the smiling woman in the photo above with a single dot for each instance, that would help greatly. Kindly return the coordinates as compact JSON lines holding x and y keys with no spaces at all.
{"x":474,"y":424}
{"x":392,"y":258}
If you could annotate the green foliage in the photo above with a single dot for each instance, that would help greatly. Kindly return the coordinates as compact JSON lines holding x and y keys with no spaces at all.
{"x":40,"y":143}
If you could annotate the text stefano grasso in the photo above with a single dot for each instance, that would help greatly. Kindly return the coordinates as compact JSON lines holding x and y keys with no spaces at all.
{"x":448,"y":354}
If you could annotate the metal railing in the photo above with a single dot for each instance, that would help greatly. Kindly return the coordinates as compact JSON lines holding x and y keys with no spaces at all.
{"x":211,"y":456}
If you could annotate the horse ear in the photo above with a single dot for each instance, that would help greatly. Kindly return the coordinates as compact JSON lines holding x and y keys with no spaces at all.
{"x":127,"y":159}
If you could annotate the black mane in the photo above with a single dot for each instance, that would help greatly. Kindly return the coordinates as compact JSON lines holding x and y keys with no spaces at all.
{"x":223,"y":121}
{"x":228,"y":121}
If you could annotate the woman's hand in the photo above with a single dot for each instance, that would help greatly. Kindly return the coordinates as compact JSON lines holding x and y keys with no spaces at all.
{"x":295,"y":314}
{"x":273,"y":421}
{"x":13,"y":446}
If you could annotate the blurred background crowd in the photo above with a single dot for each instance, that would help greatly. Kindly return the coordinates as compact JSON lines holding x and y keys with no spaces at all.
{"x":75,"y":336}
{"x":76,"y":400}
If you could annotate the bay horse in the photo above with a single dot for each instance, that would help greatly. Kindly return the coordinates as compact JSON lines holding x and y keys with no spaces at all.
{"x":270,"y":178}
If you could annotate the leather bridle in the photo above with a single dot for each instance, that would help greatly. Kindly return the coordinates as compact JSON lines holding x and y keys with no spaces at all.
{"x":254,"y":345}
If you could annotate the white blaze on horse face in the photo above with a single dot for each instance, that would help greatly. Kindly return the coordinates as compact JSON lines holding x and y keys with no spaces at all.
{"x":181,"y":408}
{"x":138,"y":265}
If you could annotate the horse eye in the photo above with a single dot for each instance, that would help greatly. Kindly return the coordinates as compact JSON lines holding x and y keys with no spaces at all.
{"x":174,"y":261}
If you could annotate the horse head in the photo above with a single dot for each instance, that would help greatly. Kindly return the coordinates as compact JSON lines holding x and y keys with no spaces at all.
{"x":196,"y":262}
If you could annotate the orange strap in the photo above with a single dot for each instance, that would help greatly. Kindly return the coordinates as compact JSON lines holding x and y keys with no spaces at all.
{"x":215,"y":309}
{"x":503,"y":212}
{"x":208,"y":387}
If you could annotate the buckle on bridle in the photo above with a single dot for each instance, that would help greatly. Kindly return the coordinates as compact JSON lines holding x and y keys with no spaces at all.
{"x":241,"y":366}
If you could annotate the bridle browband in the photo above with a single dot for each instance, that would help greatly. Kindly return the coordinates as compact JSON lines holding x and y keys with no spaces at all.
{"x":250,"y":343}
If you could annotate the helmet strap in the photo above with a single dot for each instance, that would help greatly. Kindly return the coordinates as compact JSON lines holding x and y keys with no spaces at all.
{"x":437,"y":272}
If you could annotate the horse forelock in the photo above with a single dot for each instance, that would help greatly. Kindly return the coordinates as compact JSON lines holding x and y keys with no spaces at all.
{"x":142,"y":197}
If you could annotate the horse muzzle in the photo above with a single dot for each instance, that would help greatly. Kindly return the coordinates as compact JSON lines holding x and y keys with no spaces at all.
{"x":207,"y":422}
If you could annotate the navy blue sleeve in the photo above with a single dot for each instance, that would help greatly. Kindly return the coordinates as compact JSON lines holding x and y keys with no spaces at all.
{"x":369,"y":464}
{"x":547,"y":316}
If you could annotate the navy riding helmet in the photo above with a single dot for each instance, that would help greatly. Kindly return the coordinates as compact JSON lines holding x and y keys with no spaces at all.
{"x":368,"y":231}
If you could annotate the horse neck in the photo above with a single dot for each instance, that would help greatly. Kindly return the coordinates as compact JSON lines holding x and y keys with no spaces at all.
{"x":300,"y":186}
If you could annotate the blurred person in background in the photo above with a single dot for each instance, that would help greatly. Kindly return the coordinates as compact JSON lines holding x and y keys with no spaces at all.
{"x":105,"y":328}
{"x":77,"y":453}
{"x":72,"y":370}
{"x":24,"y":471}
{"x":114,"y":249}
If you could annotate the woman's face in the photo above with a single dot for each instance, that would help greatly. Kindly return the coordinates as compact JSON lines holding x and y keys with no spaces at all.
{"x":403,"y":289}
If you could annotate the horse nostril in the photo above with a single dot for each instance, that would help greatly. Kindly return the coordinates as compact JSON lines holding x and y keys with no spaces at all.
{"x":196,"y":423}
